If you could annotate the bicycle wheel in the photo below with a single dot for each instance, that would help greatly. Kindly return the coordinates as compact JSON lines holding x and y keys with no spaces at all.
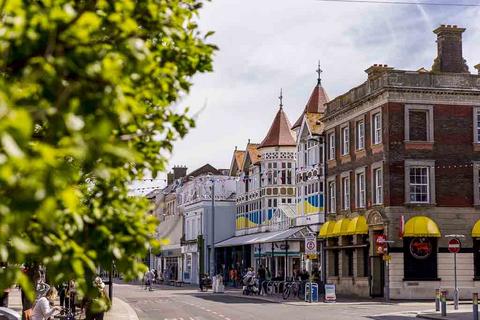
{"x":286,"y":292}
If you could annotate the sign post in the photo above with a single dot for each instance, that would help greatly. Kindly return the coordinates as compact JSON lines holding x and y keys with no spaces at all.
{"x":454,"y":246}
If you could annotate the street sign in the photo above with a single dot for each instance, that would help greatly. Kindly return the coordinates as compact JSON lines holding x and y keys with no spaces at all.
{"x":330,"y":294}
{"x":454,"y":245}
{"x":311,"y":245}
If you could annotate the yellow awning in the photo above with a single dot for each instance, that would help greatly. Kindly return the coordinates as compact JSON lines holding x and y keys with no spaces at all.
{"x":357,"y":225}
{"x":476,"y":230}
{"x":340,"y":228}
{"x":421,"y":226}
{"x":326,"y":229}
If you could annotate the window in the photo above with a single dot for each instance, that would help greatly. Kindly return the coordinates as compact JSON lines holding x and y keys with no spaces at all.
{"x":345,"y":141}
{"x":360,"y":183}
{"x":377,"y":128}
{"x":476,"y":124}
{"x":420,"y":258}
{"x":360,"y":135}
{"x":419,"y":185}
{"x":420,"y":181}
{"x":377,"y":186}
{"x":346,"y":192}
{"x":419,"y":123}
{"x":331,"y":146}
{"x":331,"y":196}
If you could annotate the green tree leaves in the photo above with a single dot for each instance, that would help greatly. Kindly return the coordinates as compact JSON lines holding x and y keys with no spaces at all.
{"x":86,"y":89}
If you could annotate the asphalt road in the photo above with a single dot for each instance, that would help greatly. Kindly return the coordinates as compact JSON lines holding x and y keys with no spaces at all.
{"x":167,"y":303}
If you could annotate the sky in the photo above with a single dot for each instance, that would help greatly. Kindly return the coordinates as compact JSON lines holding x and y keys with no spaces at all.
{"x":265,"y":45}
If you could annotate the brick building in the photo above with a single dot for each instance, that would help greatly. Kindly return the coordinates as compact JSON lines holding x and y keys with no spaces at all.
{"x":403,"y":162}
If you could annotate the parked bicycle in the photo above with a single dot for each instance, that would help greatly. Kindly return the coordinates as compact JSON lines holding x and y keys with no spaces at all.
{"x":293,"y":288}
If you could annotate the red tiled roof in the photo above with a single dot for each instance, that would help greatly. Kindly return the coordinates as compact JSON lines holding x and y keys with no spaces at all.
{"x":316,"y":104}
{"x":279,"y":133}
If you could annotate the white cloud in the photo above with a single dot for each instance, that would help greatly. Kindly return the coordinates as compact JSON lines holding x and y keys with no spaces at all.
{"x":268,"y":44}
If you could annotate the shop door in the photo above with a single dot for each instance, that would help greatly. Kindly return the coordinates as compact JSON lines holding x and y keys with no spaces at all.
{"x":376,"y":276}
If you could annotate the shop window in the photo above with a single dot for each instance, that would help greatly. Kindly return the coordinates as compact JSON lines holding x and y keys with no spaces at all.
{"x":420,"y":258}
{"x":476,"y":258}
{"x":349,"y":257}
{"x":336,"y":254}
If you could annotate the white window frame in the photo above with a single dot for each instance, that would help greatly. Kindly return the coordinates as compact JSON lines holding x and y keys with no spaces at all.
{"x":476,"y":125}
{"x":377,"y":183}
{"x":360,"y":134}
{"x":332,"y":204}
{"x":360,"y":188}
{"x":331,"y":145}
{"x":345,"y":179}
{"x":377,"y":128}
{"x":430,"y":125}
{"x":345,"y":133}
{"x":430,"y":165}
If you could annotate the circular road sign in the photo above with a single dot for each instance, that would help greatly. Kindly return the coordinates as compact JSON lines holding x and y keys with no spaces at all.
{"x":311,"y":245}
{"x":454,"y":245}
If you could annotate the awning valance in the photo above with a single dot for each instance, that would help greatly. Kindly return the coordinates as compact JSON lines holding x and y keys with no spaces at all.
{"x":326,"y":229}
{"x":357,"y":225}
{"x":476,"y":230}
{"x":421,"y":226}
{"x":340,"y":228}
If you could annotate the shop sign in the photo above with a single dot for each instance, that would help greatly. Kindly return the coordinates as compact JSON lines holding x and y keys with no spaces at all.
{"x":311,"y":256}
{"x":380,"y":244}
{"x":311,"y":245}
{"x":420,"y":248}
{"x":330,"y":295}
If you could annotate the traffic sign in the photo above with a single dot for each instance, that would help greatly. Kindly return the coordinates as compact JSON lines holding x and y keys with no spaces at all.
{"x":311,"y":245}
{"x":454,"y":245}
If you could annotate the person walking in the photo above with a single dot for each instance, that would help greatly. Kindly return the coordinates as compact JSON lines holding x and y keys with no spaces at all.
{"x":262,"y":274}
{"x":149,"y":280}
{"x":43,"y":309}
{"x":96,"y":306}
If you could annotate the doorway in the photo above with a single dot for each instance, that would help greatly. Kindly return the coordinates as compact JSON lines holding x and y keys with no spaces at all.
{"x":376,"y":276}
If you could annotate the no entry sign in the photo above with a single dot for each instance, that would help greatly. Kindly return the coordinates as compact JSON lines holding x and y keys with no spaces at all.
{"x":454,"y":245}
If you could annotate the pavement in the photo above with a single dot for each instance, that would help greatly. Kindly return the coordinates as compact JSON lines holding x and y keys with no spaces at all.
{"x":120,"y":309}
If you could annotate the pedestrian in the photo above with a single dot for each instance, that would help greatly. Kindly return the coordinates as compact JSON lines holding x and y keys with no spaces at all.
{"x":71,"y":296}
{"x":44,"y":307}
{"x":155,"y":273}
{"x":96,"y":306}
{"x":150,"y":276}
{"x":62,"y":292}
{"x":261,"y":277}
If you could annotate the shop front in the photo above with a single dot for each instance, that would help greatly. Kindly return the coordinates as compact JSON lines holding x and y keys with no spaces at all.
{"x":190,"y":263}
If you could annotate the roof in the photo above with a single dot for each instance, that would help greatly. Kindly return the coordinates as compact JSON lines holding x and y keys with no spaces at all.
{"x":253,"y":153}
{"x":279,"y":133}
{"x":315,"y":104}
{"x":206,"y":168}
{"x":239,"y":156}
{"x":264,"y":237}
{"x":314,"y":124}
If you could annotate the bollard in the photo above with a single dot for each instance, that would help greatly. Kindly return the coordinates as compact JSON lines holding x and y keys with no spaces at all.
{"x":437,"y":299}
{"x":475,"y":305}
{"x":443,"y":298}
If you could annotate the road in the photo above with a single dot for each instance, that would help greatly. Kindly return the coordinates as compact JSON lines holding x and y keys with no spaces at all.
{"x":167,"y":303}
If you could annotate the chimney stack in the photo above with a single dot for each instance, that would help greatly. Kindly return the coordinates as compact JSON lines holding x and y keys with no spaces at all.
{"x":169,"y":178}
{"x":478,"y":68}
{"x":376,"y":70}
{"x":449,"y":48}
{"x":179,"y":172}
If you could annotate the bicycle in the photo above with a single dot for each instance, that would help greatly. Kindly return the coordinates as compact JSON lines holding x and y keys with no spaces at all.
{"x":291,"y":288}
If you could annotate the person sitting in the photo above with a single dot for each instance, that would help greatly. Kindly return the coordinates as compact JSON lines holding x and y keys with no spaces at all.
{"x":43,"y":309}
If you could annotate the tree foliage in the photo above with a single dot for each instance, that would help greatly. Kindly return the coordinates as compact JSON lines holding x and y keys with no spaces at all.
{"x":86,"y":95}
